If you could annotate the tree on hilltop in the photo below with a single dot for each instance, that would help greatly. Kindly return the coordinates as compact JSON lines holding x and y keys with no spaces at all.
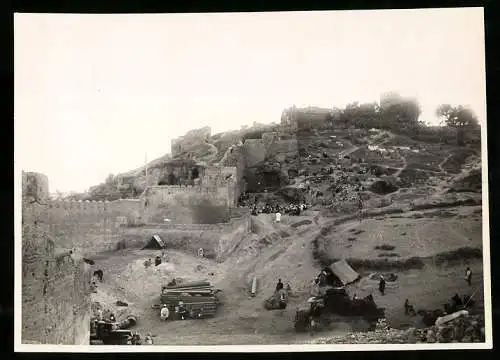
{"x":399,"y":112}
{"x":458,"y":117}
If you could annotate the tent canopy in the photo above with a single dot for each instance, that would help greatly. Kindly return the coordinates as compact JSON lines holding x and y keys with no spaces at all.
{"x":344,"y":272}
{"x":155,"y":243}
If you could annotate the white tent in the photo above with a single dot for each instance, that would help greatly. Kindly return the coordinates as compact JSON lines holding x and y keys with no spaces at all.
{"x":155,"y":243}
{"x":344,"y":272}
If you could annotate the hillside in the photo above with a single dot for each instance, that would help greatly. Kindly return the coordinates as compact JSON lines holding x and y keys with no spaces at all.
{"x":421,"y":222}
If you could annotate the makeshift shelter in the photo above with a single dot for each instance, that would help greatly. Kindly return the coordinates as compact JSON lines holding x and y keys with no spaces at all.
{"x":155,"y":243}
{"x":344,"y":272}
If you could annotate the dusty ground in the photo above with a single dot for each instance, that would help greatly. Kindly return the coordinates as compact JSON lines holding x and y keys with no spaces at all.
{"x":420,"y":233}
{"x":279,"y":251}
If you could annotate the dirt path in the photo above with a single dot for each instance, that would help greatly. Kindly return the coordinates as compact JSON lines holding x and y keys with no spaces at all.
{"x":440,"y":165}
{"x":400,"y":170}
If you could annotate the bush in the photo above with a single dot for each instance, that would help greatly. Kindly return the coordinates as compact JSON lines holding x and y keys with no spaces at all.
{"x":385,"y":247}
{"x":457,"y":160}
{"x":463,"y":253}
{"x":383,"y":187}
{"x":444,"y":204}
{"x":410,"y":177}
{"x":388,"y":255}
{"x":385,"y":264}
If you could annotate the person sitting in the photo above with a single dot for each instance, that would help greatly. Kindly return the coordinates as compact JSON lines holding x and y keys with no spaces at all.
{"x":148,"y":339}
{"x":164,"y":313}
{"x":181,"y":310}
{"x":282,"y":301}
{"x":157,"y":260}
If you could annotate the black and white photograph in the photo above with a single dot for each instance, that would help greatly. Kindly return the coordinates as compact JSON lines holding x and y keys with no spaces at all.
{"x":273,"y":181}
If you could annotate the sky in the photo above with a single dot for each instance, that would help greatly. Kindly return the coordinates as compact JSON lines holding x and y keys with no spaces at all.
{"x":97,"y":94}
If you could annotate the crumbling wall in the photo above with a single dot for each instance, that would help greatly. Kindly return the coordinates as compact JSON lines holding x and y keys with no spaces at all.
{"x":55,"y":292}
{"x":219,"y":188}
{"x":255,"y":151}
{"x":235,"y":156}
{"x":284,"y":146}
{"x":218,"y":239}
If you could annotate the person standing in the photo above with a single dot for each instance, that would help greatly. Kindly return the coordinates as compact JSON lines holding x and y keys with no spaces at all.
{"x":381,"y":285}
{"x":468,"y":276}
{"x":360,"y":208}
{"x":279,"y":285}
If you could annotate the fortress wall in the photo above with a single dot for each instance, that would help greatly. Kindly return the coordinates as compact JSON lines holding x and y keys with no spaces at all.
{"x":92,"y":227}
{"x":55,"y":292}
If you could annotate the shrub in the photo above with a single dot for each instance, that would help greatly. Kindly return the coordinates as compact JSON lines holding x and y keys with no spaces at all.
{"x":388,"y":255}
{"x":457,"y":160}
{"x":462,"y":253}
{"x":385,"y":247}
{"x":385,"y":264}
{"x":300,"y":223}
{"x":410,"y":177}
{"x":383,"y":187}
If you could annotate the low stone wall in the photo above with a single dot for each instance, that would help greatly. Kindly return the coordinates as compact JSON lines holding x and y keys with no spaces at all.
{"x":216,"y":239}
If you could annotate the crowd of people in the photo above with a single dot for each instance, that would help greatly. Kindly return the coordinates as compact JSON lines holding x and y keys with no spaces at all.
{"x":290,"y":209}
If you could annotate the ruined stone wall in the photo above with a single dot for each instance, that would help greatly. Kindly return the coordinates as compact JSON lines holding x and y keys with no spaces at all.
{"x":55,"y":292}
{"x":217,"y":239}
{"x":218,"y":188}
{"x":255,"y":151}
{"x":235,"y":157}
{"x":92,"y":227}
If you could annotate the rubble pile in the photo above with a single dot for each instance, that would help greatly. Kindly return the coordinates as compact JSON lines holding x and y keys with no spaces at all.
{"x":465,"y":329}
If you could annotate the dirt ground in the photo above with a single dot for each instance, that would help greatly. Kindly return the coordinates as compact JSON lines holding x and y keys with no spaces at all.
{"x":418,"y":233}
{"x":275,"y":251}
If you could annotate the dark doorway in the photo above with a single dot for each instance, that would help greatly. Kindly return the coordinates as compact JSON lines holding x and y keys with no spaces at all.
{"x":172,"y":179}
{"x":195,"y":174}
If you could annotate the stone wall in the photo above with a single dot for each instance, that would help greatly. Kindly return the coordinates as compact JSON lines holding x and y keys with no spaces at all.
{"x":55,"y":292}
{"x":217,"y":239}
{"x":255,"y":151}
{"x":92,"y":227}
